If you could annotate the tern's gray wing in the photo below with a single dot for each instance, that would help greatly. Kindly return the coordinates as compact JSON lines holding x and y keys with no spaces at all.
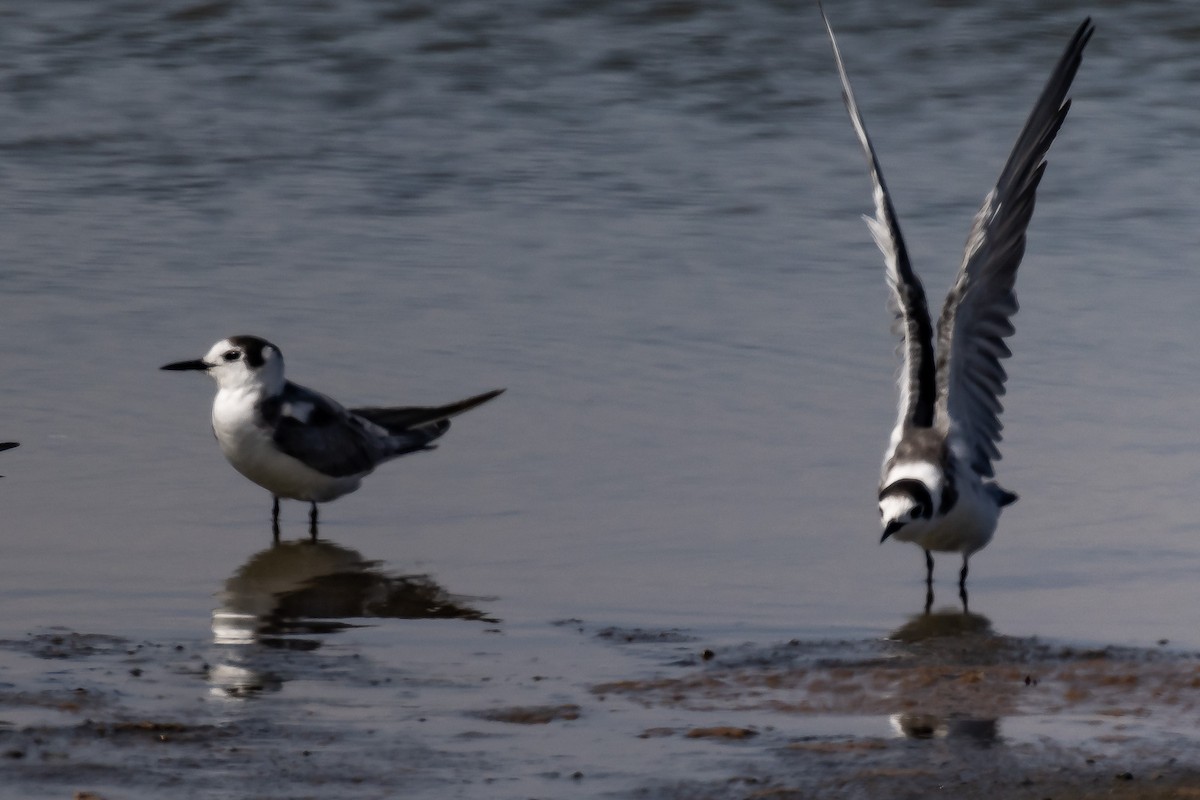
{"x":397,"y":420}
{"x":975,"y":320}
{"x":907,"y":299}
{"x":316,"y":430}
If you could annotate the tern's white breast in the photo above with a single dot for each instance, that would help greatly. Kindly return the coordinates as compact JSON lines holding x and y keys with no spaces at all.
{"x":967,"y":528}
{"x":248,"y":446}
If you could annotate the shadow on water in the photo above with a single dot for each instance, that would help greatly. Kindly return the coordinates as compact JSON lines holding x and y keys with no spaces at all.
{"x":286,"y":597}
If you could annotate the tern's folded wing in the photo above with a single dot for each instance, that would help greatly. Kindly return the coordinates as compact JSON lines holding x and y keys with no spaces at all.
{"x":315,"y":430}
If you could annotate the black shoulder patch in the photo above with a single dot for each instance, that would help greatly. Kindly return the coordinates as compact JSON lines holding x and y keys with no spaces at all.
{"x":949,"y":496}
{"x":270,"y":408}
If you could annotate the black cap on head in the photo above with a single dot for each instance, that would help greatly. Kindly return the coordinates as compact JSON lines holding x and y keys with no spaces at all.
{"x":253,"y":346}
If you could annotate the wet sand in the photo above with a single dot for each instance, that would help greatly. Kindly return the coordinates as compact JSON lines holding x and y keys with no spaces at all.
{"x":944,"y":706}
{"x":972,"y":714}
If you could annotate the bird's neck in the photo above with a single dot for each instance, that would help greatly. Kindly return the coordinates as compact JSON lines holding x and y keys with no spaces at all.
{"x":237,"y":404}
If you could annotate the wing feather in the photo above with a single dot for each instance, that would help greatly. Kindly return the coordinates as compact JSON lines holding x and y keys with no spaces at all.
{"x":976,"y":317}
{"x":318,"y":431}
{"x":907,"y":301}
{"x":400,"y":419}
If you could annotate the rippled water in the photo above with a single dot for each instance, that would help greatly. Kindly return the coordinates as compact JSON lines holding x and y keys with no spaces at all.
{"x":642,"y":219}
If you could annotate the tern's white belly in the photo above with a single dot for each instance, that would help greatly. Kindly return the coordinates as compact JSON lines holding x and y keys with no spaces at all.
{"x":250,"y":450}
{"x":966,"y":529}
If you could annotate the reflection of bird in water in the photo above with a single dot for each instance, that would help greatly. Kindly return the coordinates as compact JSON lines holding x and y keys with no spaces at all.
{"x":942,"y":625}
{"x":963,"y":595}
{"x":299,"y":444}
{"x":930,"y":726}
{"x":937,"y":489}
{"x":313,"y":587}
{"x":309,"y":588}
{"x":945,"y":714}
{"x":241,"y":680}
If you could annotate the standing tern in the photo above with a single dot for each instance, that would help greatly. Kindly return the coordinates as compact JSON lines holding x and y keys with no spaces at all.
{"x":299,"y":444}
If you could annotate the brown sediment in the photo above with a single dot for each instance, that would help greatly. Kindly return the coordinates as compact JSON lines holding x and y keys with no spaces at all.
{"x":977,"y":675}
{"x":948,"y":680}
{"x":656,"y":733}
{"x":721,"y":732}
{"x":949,"y":709}
{"x":531,"y":715}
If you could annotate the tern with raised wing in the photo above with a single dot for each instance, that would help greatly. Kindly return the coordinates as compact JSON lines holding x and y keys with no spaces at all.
{"x":937,"y":488}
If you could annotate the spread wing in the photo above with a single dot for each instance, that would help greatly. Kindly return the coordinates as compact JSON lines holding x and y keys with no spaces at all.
{"x":976,"y":318}
{"x":907,"y":299}
{"x":397,"y":420}
{"x":316,"y":430}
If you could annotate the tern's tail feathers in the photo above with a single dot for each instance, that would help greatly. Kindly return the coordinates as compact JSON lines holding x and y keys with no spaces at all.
{"x":1003,"y":497}
{"x":415,"y":439}
{"x":397,"y":421}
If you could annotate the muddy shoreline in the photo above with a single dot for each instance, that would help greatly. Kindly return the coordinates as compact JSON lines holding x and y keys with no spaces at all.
{"x":943,"y":706}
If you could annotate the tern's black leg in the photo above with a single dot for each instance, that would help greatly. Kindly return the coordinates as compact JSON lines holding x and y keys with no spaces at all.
{"x":312,"y":522}
{"x":275,"y":520}
{"x":962,"y":584}
{"x":928,"y":581}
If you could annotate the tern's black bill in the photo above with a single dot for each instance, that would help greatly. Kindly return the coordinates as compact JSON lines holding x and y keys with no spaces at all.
{"x":182,"y":365}
{"x":891,"y":528}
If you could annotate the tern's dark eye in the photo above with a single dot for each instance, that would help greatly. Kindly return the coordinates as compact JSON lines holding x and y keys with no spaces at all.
{"x":231,"y":355}
{"x":918,"y":511}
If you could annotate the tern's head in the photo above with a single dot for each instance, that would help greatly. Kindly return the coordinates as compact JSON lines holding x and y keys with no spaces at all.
{"x":904,"y":502}
{"x":240,"y":362}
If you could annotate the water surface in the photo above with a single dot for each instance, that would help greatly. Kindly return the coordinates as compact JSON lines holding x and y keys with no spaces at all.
{"x":641,"y":219}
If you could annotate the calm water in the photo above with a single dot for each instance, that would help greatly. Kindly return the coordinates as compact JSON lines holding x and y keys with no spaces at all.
{"x":641,"y":218}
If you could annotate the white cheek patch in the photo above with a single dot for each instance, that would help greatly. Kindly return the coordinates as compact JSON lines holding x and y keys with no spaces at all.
{"x":923,"y":471}
{"x":895,"y":506}
{"x":213,"y":356}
